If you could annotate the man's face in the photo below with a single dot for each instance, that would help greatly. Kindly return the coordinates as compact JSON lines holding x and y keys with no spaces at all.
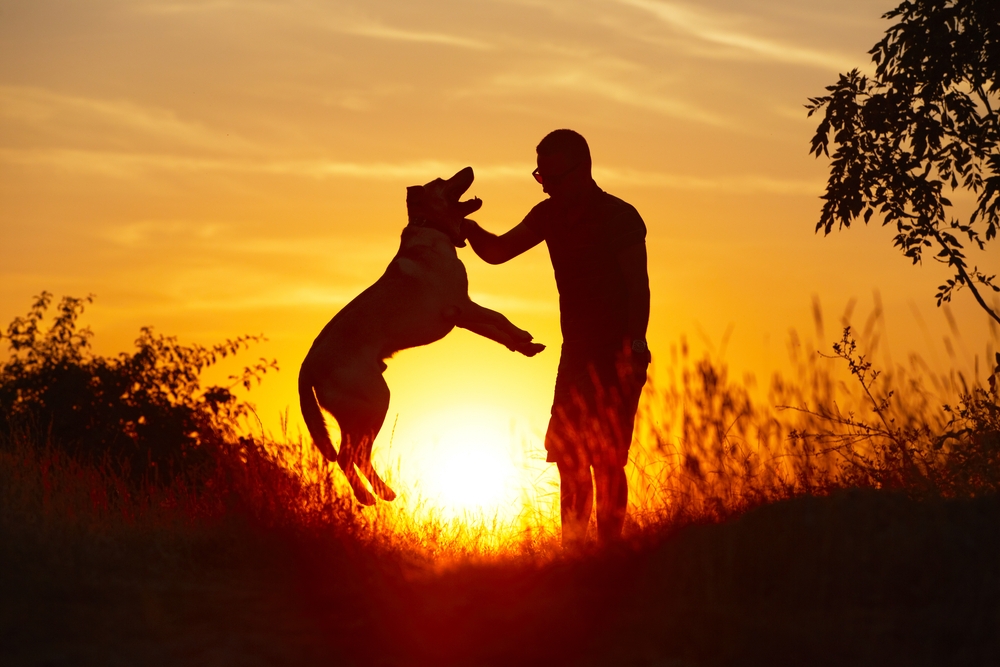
{"x":562,"y":177}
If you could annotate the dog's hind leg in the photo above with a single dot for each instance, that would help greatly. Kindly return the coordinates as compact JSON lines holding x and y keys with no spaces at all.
{"x":360,"y":417}
{"x":368,"y":470}
{"x":374,"y":417}
{"x":351,"y":445}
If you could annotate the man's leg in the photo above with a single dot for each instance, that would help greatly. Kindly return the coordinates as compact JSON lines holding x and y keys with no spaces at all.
{"x":612,"y":501}
{"x":576,"y":498}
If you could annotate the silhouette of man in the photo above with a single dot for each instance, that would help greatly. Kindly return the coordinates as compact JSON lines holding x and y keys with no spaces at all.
{"x":597,"y":246}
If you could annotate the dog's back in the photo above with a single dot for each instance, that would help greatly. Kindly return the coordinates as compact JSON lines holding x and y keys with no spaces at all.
{"x":406,"y":307}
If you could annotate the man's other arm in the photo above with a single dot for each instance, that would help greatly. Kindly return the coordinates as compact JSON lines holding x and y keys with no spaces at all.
{"x":494,"y":249}
{"x":632,"y":261}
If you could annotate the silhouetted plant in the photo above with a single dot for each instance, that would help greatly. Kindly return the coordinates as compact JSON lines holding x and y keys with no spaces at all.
{"x":895,"y":458}
{"x":895,"y":450}
{"x":144,"y":411}
{"x":927,"y":120}
{"x":972,"y":439}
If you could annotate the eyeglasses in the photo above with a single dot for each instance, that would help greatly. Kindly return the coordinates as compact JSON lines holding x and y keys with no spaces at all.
{"x":553,"y":179}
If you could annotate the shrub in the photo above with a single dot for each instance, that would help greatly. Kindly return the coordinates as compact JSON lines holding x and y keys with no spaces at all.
{"x":145,"y":411}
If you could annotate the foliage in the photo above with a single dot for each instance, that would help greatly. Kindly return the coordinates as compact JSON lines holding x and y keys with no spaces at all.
{"x":975,"y":420}
{"x":145,"y":411}
{"x":716,"y":449}
{"x":262,"y":550}
{"x":709,"y":446}
{"x":900,"y":451}
{"x":926,"y":121}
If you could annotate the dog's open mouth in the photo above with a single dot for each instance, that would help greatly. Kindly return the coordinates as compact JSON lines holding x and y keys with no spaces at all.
{"x":456,"y":187}
{"x":437,"y":204}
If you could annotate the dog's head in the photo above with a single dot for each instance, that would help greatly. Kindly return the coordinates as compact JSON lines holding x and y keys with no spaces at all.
{"x":437,"y":205}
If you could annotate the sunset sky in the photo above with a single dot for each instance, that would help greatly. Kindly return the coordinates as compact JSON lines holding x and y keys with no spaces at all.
{"x":212,"y":168}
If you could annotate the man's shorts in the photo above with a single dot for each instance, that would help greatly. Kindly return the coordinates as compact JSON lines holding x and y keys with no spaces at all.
{"x":593,"y":409}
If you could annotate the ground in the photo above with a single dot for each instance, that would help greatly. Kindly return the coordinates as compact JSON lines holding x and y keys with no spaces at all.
{"x":857,"y":578}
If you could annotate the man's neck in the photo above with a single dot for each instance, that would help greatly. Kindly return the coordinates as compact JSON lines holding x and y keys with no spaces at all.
{"x":580,"y":197}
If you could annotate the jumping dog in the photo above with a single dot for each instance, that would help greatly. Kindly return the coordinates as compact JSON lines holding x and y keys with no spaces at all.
{"x":423,"y":295}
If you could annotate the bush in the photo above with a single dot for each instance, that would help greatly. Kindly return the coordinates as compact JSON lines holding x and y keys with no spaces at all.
{"x":145,"y":412}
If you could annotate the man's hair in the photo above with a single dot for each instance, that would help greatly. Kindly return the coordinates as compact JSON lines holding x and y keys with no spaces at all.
{"x":570,"y":143}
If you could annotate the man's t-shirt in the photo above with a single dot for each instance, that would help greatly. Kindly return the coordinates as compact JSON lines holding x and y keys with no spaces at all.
{"x":584,"y":243}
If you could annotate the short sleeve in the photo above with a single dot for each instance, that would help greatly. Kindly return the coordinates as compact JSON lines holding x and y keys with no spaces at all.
{"x":627,"y":228}
{"x":539,"y":219}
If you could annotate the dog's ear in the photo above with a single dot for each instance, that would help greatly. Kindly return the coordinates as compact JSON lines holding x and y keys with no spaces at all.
{"x":414,"y":197}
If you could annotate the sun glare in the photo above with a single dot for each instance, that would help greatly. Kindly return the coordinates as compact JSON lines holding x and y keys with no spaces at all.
{"x":468,"y":464}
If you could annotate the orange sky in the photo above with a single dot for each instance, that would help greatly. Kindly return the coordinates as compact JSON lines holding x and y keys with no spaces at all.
{"x":212,"y":168}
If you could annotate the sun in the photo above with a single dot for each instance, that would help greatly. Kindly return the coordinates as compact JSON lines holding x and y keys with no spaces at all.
{"x":468,"y":462}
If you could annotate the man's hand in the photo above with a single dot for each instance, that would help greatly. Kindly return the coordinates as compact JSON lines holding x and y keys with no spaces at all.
{"x":632,"y":263}
{"x":466,"y":227}
{"x":632,"y":367}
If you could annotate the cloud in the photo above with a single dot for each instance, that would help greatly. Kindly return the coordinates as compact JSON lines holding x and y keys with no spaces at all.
{"x":379,"y":31}
{"x":226,"y":238}
{"x":126,"y":165}
{"x":38,"y":106}
{"x":585,"y":81}
{"x":708,"y":28}
{"x":196,"y":6}
{"x":287,"y":297}
{"x":734,"y":184}
{"x":331,"y":16}
{"x":148,"y":232}
{"x":131,"y":165}
{"x":506,"y":303}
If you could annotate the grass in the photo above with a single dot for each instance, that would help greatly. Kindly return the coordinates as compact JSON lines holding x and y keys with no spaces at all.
{"x":822,"y":521}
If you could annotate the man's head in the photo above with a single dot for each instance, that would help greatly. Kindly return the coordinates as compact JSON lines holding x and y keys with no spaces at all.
{"x":563,"y":164}
{"x":437,"y":204}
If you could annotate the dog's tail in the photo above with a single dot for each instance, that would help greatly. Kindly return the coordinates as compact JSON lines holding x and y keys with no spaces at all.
{"x":314,"y":417}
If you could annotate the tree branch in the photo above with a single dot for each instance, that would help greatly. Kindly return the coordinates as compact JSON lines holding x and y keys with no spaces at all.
{"x":960,"y":266}
{"x":986,"y":102}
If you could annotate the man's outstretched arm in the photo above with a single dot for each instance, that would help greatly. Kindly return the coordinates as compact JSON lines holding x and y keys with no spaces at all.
{"x":494,"y":249}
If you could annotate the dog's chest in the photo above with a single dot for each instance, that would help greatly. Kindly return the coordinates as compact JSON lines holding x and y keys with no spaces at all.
{"x":430,"y":262}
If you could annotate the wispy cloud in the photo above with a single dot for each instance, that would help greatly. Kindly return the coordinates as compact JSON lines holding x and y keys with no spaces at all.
{"x":226,"y":238}
{"x":147,"y":232}
{"x":585,"y":81}
{"x":335,"y":16}
{"x":285,"y":298}
{"x":130,"y":165}
{"x":506,"y":303}
{"x":195,"y":7}
{"x":127,"y":165}
{"x":709,"y":28}
{"x":379,"y":31}
{"x":39,"y":106}
{"x":734,"y":184}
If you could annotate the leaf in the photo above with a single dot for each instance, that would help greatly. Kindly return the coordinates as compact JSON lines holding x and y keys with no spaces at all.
{"x":900,"y":137}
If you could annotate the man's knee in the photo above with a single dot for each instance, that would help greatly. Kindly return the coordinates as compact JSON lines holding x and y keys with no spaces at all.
{"x":573,"y":469}
{"x":611,"y":479}
{"x":610,"y":471}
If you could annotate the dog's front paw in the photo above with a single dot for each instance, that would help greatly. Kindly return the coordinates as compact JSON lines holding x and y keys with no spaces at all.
{"x":530,"y":349}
